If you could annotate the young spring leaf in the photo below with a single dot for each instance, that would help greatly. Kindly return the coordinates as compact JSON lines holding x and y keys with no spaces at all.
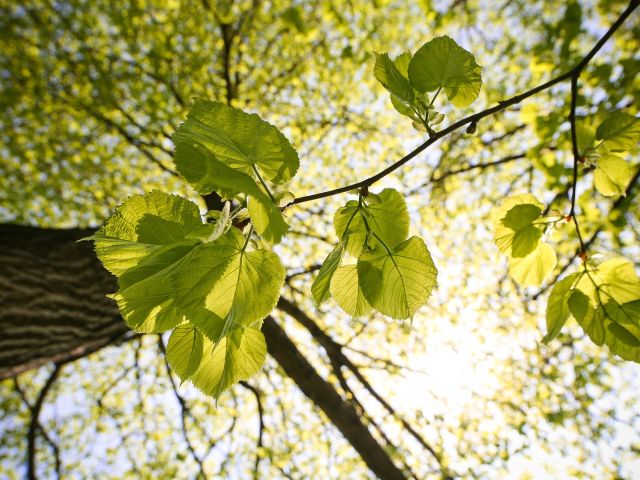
{"x":612,"y":175}
{"x":238,"y":296}
{"x":350,"y":227}
{"x":442,"y":63}
{"x":557,"y":306}
{"x":607,"y":306}
{"x":238,"y":139}
{"x":589,"y":318}
{"x":392,"y":79}
{"x":616,"y":279}
{"x":398,"y":281}
{"x":321,"y":285}
{"x":402,"y":62}
{"x":533,"y":269}
{"x":517,"y":235}
{"x":347,"y":292}
{"x":620,"y":131}
{"x":238,"y":356}
{"x":386,"y":215}
{"x":184,"y":350}
{"x":143,"y":224}
{"x":181,"y":279}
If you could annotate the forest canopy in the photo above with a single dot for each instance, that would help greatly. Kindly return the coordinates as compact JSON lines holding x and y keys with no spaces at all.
{"x":247,"y":239}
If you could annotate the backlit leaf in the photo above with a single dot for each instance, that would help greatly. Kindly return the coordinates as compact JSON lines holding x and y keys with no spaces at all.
{"x":533,"y":269}
{"x":557,"y":306}
{"x":400,"y":281}
{"x":347,"y":292}
{"x":442,"y":63}
{"x":184,"y":350}
{"x":620,"y":131}
{"x":321,"y":285}
{"x":612,"y":175}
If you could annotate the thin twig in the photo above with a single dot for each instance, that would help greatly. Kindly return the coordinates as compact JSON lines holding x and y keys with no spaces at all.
{"x":35,"y":422}
{"x":256,"y":393}
{"x":184,"y":409}
{"x":43,"y":432}
{"x":576,"y":158}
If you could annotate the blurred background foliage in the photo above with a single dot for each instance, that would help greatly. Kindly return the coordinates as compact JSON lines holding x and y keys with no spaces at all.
{"x":90,"y":93}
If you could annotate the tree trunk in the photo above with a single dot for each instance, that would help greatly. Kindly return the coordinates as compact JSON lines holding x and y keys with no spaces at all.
{"x":53,"y":308}
{"x":52,"y":299}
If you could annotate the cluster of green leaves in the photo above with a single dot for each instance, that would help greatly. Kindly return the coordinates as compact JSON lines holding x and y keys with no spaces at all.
{"x":604,"y":298}
{"x":602,"y":148}
{"x":212,"y":282}
{"x":393,"y":274}
{"x":440,"y":64}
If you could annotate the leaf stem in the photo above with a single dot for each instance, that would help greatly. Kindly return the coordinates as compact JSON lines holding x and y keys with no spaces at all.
{"x":435,"y":95}
{"x":264,"y":184}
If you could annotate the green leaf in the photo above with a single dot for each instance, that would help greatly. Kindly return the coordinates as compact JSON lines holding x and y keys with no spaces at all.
{"x":442,"y":63}
{"x":321,"y":285}
{"x":589,"y":319}
{"x":612,"y":175}
{"x":350,"y":227}
{"x":501,"y":211}
{"x":188,"y":279}
{"x":585,"y":138}
{"x":616,"y":278}
{"x":627,"y":313}
{"x":623,"y":335}
{"x":620,"y":131}
{"x":557,"y":306}
{"x":184,"y":350}
{"x":267,"y":219}
{"x":517,"y":235}
{"x":386,"y":215}
{"x":243,"y":293}
{"x":240,"y":140}
{"x":398,"y":281}
{"x":616,"y":320}
{"x":346,"y":290}
{"x":392,"y":79}
{"x":265,"y":214}
{"x":236,"y":357}
{"x":531,"y":271}
{"x":142,"y":225}
{"x":622,"y":328}
{"x":177,"y":291}
{"x":402,"y":62}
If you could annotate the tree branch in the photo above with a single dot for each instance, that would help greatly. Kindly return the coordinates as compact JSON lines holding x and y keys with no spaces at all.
{"x":476,"y":117}
{"x":258,"y":394}
{"x":35,"y":422}
{"x":184,"y":409}
{"x":324,"y":396}
{"x":334,"y":350}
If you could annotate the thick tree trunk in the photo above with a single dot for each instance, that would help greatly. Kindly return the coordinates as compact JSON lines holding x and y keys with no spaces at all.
{"x":53,"y":308}
{"x":52,"y":299}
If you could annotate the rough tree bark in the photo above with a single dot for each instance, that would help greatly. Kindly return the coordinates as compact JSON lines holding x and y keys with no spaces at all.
{"x":52,"y":299}
{"x":53,"y":308}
